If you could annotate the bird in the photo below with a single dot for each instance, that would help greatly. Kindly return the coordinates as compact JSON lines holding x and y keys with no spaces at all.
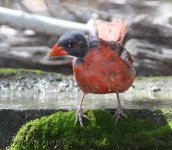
{"x":101,"y":64}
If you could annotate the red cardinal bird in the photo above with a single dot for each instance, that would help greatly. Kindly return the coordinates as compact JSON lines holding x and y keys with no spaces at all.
{"x":101,"y":64}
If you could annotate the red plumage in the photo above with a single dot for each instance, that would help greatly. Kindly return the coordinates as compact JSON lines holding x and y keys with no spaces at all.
{"x":103,"y":72}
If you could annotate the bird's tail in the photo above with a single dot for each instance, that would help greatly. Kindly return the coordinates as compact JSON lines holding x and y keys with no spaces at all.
{"x":112,"y":31}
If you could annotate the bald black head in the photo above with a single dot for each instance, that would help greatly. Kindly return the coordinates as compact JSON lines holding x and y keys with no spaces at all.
{"x":74,"y":43}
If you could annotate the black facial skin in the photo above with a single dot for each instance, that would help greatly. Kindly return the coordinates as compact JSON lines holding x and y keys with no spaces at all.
{"x":74,"y":43}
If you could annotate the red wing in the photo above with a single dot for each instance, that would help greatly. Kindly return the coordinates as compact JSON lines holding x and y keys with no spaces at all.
{"x":112,"y":31}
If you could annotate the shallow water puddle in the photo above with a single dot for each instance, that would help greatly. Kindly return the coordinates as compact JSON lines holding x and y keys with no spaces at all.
{"x":52,"y":99}
{"x":57,"y":92}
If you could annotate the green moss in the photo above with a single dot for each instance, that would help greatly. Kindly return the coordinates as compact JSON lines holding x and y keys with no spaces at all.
{"x":148,"y":130}
{"x":37,"y":72}
{"x":157,"y":78}
{"x":7,"y":72}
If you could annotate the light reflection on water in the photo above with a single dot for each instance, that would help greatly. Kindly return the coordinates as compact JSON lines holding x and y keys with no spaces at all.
{"x":53,"y":99}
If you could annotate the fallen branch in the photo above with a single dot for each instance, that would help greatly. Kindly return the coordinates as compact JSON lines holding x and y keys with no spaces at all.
{"x":38,"y":23}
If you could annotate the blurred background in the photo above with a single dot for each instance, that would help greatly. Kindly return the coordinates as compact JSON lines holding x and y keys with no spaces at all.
{"x":29,"y":28}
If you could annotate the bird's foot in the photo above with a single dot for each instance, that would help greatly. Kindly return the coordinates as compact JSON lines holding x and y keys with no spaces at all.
{"x":79,"y":117}
{"x":119,"y":112}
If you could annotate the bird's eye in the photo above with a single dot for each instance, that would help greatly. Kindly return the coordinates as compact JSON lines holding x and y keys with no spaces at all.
{"x":69,"y":45}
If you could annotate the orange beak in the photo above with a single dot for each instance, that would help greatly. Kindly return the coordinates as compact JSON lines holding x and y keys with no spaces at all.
{"x":57,"y":51}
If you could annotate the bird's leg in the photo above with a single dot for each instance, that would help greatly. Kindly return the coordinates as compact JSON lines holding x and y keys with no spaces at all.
{"x":119,"y":111}
{"x":80,"y":113}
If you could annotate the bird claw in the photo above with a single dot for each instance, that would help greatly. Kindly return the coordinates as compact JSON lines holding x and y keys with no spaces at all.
{"x":79,"y":117}
{"x":119,"y":112}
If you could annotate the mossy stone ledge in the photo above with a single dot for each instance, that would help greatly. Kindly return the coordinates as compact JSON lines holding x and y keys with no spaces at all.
{"x":144,"y":129}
